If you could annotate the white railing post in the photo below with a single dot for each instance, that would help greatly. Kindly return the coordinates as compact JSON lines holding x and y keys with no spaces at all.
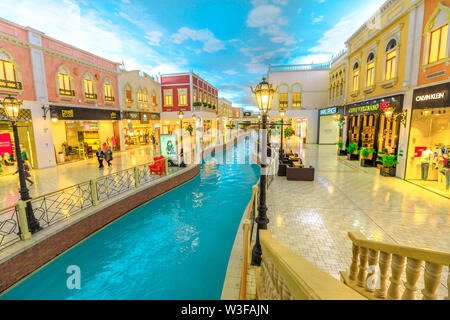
{"x":22,"y":220}
{"x":94,"y":193}
{"x":137,"y":183}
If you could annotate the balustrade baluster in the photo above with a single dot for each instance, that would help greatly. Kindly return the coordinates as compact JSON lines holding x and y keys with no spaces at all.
{"x":397,"y":267}
{"x":354,"y":266}
{"x":373,"y":272}
{"x":413,"y":267}
{"x":362,"y":274}
{"x":448,"y":283}
{"x":385,"y":262}
{"x":432,"y":276}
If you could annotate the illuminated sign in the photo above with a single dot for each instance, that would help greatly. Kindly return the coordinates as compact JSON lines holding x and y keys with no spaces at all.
{"x":168,"y":145}
{"x":329,"y":111}
{"x":433,"y":96}
{"x":373,"y":107}
{"x":67,"y":113}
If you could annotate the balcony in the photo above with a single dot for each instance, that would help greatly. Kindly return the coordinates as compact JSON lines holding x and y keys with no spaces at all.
{"x":90,"y":96}
{"x":11,"y":84}
{"x":109,"y":99}
{"x":67,"y":93}
{"x":283,"y":104}
{"x":129,"y":101}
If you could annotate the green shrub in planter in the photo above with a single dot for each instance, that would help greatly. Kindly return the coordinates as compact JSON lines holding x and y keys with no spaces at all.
{"x":388,"y":164}
{"x":365,"y":153}
{"x":352,"y":149}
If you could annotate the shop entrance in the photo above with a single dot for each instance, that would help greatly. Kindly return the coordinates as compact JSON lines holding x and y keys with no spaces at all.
{"x":76,"y":140}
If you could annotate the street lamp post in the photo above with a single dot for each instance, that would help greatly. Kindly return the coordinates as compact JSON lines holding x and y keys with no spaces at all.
{"x":11,"y":106}
{"x":182,"y":164}
{"x":264,"y":95}
{"x":282,"y":113}
{"x":259,"y":129}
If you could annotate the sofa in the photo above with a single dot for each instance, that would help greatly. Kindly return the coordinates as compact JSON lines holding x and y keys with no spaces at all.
{"x":300,"y":174}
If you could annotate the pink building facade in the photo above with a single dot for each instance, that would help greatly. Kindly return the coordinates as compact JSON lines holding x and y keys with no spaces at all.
{"x":71,"y":97}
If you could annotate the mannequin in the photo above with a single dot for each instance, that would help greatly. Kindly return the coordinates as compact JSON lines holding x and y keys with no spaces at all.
{"x":425,"y":160}
{"x":447,"y":171}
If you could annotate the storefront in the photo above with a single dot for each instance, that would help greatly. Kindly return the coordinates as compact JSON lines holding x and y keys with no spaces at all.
{"x":139,"y":128}
{"x":7,"y":143}
{"x":375,"y":125}
{"x":428,"y":163}
{"x":330,"y":125}
{"x":79,"y":132}
{"x":299,"y":125}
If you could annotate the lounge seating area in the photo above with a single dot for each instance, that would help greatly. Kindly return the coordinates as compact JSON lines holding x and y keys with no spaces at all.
{"x":292,"y":167}
{"x":159,"y":167}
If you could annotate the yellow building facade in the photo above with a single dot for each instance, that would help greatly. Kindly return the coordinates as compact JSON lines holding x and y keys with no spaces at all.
{"x":382,"y":68}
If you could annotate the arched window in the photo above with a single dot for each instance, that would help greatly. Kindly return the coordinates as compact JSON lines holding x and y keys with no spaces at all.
{"x":89,"y":88}
{"x":391,"y":60}
{"x":155,"y":103}
{"x":128,"y":94}
{"x":342,"y":88}
{"x":355,"y":83}
{"x":296,"y":95}
{"x":9,"y":75}
{"x":145,"y":97}
{"x":140,"y":96}
{"x":65,"y":82}
{"x":284,"y":90}
{"x":437,"y":35}
{"x":108,"y":91}
{"x":370,"y":75}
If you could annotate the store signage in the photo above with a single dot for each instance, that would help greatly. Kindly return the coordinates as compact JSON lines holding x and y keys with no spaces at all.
{"x":372,"y":107}
{"x":67,"y":114}
{"x":329,"y":111}
{"x":144,"y":117}
{"x":5,"y":144}
{"x":169,"y":148}
{"x":133,"y":115}
{"x":432,"y":97}
{"x":247,"y":114}
{"x":84,"y":113}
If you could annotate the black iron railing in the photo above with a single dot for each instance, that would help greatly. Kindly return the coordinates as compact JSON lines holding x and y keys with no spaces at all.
{"x":9,"y":227}
{"x":11,"y":84}
{"x":92,"y":96}
{"x":68,"y":93}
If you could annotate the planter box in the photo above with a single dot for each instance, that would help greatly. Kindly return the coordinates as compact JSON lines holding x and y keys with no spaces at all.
{"x":366,"y":163}
{"x":352,"y":157}
{"x":387,"y":172}
{"x":300,"y":174}
{"x":282,"y":170}
{"x":342,"y":152}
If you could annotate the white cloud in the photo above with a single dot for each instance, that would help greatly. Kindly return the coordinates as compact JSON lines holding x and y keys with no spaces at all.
{"x":230,"y":72}
{"x":85,"y":29}
{"x":154,"y":37}
{"x":317,"y":19}
{"x":264,"y":15}
{"x":210,"y":43}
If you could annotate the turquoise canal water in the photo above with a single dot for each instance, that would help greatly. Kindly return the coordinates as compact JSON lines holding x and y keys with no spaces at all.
{"x":174,"y":247}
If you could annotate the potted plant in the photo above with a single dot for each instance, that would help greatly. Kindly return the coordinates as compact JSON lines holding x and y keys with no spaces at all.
{"x":190,"y":129}
{"x":341,"y":150}
{"x":388,"y":162}
{"x":288,"y":132}
{"x":352,"y":152}
{"x":205,"y":104}
{"x":197,"y":104}
{"x":366,"y":157}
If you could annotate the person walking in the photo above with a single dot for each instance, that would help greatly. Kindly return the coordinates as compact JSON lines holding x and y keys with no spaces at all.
{"x":100,"y":155}
{"x":108,"y":155}
{"x":26,"y":169}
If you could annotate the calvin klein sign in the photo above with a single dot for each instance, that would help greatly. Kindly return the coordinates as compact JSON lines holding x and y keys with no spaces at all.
{"x":432,"y":97}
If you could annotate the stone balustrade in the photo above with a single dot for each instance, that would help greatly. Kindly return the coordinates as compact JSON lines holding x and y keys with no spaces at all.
{"x":377,"y":270}
{"x":286,"y":276}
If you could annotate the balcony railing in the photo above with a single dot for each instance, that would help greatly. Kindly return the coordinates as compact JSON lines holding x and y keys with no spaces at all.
{"x":91,"y":96}
{"x":68,"y":93}
{"x":110,"y":99}
{"x":300,"y":67}
{"x":283,"y":105}
{"x":129,"y":101}
{"x":11,"y":84}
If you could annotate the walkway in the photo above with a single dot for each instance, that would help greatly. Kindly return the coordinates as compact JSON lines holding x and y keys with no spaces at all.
{"x":66,"y":175}
{"x":313,"y":218}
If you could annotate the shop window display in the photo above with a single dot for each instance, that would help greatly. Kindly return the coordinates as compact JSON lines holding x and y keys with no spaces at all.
{"x":428,"y":162}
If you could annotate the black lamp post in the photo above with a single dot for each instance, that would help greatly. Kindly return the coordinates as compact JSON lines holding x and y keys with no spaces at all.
{"x":11,"y":106}
{"x":282,"y":114}
{"x":264,"y":95}
{"x":259,"y":129}
{"x":182,"y":164}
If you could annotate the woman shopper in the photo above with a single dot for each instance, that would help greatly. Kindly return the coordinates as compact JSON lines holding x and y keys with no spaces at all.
{"x":26,"y":169}
{"x":100,"y":155}
{"x":108,"y":155}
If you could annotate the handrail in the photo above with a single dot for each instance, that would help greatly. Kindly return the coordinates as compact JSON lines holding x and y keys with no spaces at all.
{"x":287,"y":276}
{"x":88,"y":181}
{"x":422,"y":254}
{"x":252,"y":204}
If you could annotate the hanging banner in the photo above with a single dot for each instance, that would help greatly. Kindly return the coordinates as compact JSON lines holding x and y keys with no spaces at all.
{"x":5,"y":144}
{"x":169,"y":146}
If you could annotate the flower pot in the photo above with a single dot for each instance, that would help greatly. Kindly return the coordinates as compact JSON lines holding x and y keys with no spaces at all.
{"x":342,"y":152}
{"x":387,"y":172}
{"x":366,"y":163}
{"x":352,"y":157}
